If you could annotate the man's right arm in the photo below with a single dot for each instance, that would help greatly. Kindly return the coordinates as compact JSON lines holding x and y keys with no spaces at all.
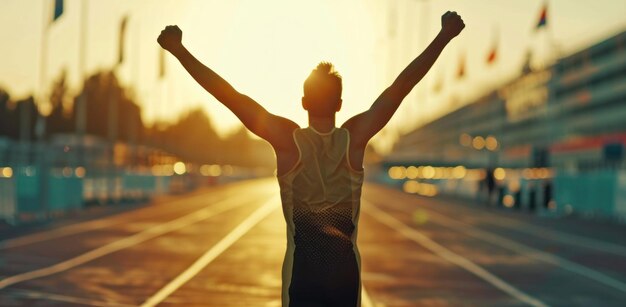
{"x":276,"y":130}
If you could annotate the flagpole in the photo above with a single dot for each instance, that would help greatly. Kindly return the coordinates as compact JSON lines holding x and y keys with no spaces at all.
{"x":162,"y":108}
{"x":43,"y":171}
{"x":42,"y":53}
{"x":492,"y":61}
{"x":163,"y":96}
{"x":554,"y":52}
{"x":81,"y":111}
{"x":113,"y":109}
{"x":134,"y":72}
{"x":171,"y":95}
{"x":112,"y":118}
{"x":547,"y":41}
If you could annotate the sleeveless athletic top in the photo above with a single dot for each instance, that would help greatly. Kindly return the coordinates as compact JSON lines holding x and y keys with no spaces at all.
{"x":321,"y":200}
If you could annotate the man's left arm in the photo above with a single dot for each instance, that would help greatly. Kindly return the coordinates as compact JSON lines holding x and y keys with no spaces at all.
{"x":365,"y":125}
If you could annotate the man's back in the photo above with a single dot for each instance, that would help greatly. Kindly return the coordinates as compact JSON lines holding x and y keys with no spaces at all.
{"x":321,"y":202}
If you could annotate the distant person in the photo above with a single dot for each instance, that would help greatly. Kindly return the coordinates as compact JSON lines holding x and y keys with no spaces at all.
{"x":319,"y":167}
{"x":490,"y":184}
{"x":547,"y":194}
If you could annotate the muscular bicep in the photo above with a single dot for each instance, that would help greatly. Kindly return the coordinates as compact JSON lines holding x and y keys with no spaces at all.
{"x":277,"y":131}
{"x":365,"y":125}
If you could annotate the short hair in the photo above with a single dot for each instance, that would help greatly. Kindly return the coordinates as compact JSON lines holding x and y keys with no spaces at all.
{"x":323,"y":89}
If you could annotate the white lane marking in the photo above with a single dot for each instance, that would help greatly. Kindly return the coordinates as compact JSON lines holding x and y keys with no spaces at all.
{"x":79,"y":227}
{"x":64,"y":298}
{"x":55,"y":233}
{"x":213,"y":253}
{"x":450,"y":256}
{"x":129,"y":241}
{"x":528,"y":251}
{"x":366,"y":299}
{"x":547,"y":233}
{"x":576,"y":240}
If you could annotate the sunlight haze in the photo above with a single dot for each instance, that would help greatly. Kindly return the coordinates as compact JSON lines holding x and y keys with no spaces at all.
{"x":266,"y":49}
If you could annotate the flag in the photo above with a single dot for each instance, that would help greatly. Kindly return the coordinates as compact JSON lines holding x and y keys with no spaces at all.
{"x":543,"y":17}
{"x":493,"y":55}
{"x":120,"y":57}
{"x":58,"y":10}
{"x":161,"y":63}
{"x":460,"y":73}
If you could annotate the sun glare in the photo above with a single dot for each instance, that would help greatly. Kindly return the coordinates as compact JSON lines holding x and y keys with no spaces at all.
{"x":266,"y":49}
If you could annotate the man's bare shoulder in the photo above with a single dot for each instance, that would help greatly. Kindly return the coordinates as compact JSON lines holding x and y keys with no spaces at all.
{"x":358,"y":137}
{"x":278,"y":131}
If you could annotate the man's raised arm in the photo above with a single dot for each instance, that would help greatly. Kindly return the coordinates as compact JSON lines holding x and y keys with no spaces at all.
{"x":274,"y":129}
{"x":365,"y":125}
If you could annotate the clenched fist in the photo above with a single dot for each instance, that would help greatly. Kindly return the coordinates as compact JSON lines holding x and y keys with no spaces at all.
{"x":451,"y":24}
{"x":171,"y":38}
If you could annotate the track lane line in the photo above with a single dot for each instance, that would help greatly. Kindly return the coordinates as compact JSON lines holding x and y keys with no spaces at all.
{"x":81,"y":227}
{"x":546,"y":233}
{"x":210,"y":255}
{"x":219,"y":248}
{"x":528,"y":251}
{"x":29,"y":294}
{"x":150,"y":233}
{"x":366,"y":299}
{"x":558,"y":236}
{"x":450,"y":256}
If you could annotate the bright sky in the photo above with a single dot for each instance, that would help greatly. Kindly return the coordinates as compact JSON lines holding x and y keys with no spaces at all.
{"x":267,"y":48}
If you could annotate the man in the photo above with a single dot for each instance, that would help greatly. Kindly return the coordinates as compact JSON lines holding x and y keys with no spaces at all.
{"x":319,"y":167}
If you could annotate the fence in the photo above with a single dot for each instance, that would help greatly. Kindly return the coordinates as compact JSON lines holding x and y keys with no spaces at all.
{"x":43,"y":180}
{"x":599,"y":192}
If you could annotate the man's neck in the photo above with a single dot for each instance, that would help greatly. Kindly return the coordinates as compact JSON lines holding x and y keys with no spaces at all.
{"x":322,"y":124}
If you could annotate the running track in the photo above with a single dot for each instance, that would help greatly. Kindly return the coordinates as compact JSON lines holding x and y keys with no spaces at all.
{"x":224,"y":246}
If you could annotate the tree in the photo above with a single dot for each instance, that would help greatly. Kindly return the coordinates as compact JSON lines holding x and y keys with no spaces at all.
{"x":8,"y":120}
{"x":61,"y":119}
{"x":193,"y":138}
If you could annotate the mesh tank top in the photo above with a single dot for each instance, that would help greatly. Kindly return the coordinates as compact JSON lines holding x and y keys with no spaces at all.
{"x":321,"y":200}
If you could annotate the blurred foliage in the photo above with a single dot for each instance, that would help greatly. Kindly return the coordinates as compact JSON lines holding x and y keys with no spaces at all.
{"x":16,"y":113}
{"x":192,"y":138}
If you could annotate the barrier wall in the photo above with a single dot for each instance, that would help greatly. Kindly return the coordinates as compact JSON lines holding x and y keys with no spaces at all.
{"x":601,"y":192}
{"x":24,"y":196}
{"x":8,"y":202}
{"x":591,"y":193}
